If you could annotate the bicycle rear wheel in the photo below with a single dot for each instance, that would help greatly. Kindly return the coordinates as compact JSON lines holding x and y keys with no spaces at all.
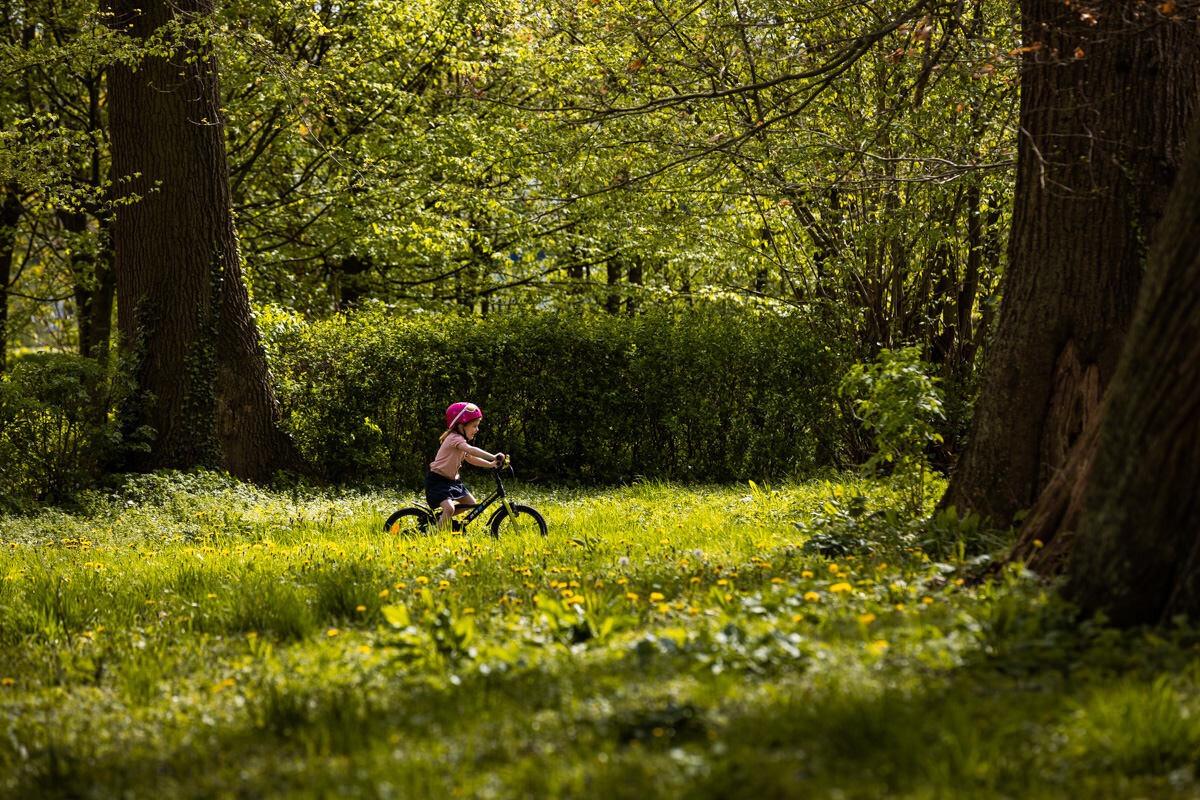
{"x":411,"y":521}
{"x":522,"y":519}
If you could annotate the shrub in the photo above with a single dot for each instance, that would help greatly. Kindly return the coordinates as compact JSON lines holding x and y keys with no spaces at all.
{"x":55,"y":434}
{"x":899,"y":402}
{"x":708,"y":393}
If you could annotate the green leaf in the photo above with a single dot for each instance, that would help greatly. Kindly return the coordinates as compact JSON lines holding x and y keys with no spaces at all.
{"x":397,"y":616}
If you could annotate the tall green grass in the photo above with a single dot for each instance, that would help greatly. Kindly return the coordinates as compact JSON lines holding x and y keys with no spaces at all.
{"x":190,"y":636}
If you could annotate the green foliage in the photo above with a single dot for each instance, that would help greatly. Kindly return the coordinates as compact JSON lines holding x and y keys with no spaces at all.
{"x":706,"y":393}
{"x":193,"y":636}
{"x":55,"y":434}
{"x":899,"y":402}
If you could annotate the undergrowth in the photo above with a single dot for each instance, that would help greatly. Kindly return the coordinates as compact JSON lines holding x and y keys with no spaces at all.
{"x":188,"y":635}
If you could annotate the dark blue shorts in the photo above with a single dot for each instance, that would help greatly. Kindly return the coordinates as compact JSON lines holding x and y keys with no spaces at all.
{"x":439,"y":488}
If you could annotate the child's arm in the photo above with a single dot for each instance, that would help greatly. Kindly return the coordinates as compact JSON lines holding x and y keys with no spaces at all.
{"x":482,"y":458}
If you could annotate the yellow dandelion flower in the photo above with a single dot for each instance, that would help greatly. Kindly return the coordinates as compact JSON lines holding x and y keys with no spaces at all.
{"x":632,"y":596}
{"x":806,"y":573}
{"x":656,"y":596}
{"x":927,"y":600}
{"x":878,"y":646}
{"x":812,"y":597}
{"x":360,"y":609}
{"x":384,"y":593}
{"x":838,"y":588}
{"x":777,"y":580}
{"x":7,"y":681}
{"x":332,"y":632}
{"x":1038,"y":543}
{"x":422,"y":580}
{"x":210,"y":595}
{"x":866,"y":619}
{"x":365,"y":649}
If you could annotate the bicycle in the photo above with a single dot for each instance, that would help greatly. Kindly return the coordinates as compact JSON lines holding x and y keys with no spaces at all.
{"x":514,"y":517}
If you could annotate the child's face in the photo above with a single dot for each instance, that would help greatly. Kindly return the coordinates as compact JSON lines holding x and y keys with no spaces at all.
{"x":471,"y":428}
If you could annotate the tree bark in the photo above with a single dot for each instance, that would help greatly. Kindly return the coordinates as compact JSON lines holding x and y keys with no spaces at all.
{"x":10,"y":215}
{"x":1136,"y":555}
{"x":182,"y":307}
{"x":1106,"y":95}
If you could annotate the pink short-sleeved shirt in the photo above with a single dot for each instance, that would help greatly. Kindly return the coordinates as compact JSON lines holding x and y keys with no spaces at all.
{"x":450,"y":456}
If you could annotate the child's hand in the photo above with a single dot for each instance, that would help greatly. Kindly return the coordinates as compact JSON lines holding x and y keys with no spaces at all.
{"x":500,"y":459}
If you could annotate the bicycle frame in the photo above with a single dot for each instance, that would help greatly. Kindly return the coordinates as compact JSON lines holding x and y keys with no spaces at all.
{"x":497,"y":494}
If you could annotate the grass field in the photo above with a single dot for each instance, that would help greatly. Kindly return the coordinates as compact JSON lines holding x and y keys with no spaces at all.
{"x":189,"y":636}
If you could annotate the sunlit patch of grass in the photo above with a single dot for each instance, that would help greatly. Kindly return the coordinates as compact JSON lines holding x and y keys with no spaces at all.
{"x":198,"y":636}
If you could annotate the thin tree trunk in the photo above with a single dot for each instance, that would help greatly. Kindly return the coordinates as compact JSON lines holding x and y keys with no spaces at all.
{"x":635,"y":280}
{"x":1105,"y":100}
{"x":964,"y":349}
{"x":95,"y":285}
{"x":614,"y":271}
{"x":183,"y":309}
{"x":10,"y":215}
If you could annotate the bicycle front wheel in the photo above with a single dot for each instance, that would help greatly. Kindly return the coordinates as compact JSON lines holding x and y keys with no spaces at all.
{"x":411,"y":521}
{"x":521,"y":520}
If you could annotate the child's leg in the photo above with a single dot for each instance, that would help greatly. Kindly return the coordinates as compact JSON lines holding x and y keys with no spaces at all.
{"x":450,"y":508}
{"x":447,"y":513}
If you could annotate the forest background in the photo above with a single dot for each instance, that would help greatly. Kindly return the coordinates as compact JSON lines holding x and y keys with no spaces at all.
{"x":709,"y":242}
{"x":587,"y":164}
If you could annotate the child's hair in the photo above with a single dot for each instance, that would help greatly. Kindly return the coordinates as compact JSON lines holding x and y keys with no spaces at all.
{"x":446,"y":433}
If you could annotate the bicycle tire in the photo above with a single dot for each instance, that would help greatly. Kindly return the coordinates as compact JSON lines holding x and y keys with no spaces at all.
{"x":411,"y":521}
{"x":524,"y":518}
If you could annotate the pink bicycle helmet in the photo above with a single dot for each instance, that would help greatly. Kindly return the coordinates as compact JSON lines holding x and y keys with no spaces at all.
{"x":461,"y":412}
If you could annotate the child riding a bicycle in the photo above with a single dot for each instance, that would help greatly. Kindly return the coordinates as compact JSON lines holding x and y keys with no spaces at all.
{"x":444,"y":488}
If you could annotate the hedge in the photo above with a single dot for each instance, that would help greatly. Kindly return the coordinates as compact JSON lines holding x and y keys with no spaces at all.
{"x":56,"y":434}
{"x":709,"y":393}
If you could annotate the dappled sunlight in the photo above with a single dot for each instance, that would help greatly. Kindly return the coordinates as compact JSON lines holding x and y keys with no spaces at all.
{"x":694,"y":628}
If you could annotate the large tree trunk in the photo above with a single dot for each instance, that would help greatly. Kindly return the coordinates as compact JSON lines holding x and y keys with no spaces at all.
{"x":1136,"y":554}
{"x":1105,"y":100}
{"x":182,"y":307}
